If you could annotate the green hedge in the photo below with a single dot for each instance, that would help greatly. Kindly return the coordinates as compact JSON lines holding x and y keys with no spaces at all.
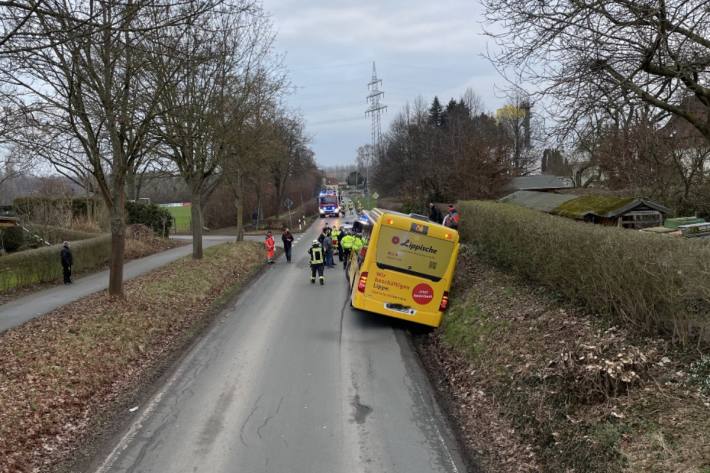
{"x":54,"y":234}
{"x":151,"y":215}
{"x":654,"y":282}
{"x":12,"y":239}
{"x":43,"y":264}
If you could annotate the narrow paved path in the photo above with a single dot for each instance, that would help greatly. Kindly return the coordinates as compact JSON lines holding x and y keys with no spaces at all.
{"x":21,"y":310}
{"x":290,"y":379}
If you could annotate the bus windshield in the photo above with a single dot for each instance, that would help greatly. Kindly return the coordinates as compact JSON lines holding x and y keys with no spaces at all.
{"x":413,"y":253}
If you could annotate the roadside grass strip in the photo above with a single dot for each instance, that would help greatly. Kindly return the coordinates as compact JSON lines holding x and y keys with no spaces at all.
{"x":63,"y":372}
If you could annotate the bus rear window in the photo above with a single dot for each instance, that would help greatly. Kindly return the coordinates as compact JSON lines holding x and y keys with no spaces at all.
{"x":413,"y":253}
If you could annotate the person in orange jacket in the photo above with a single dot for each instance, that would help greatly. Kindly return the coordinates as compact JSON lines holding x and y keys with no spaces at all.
{"x":270,"y":247}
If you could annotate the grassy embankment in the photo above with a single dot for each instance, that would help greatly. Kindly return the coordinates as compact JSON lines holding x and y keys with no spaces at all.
{"x":62,"y":372}
{"x":573,"y":347}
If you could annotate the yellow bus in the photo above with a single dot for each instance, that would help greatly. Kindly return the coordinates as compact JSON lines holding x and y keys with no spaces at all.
{"x":406,"y":267}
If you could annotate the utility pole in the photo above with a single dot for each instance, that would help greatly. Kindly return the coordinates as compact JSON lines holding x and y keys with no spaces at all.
{"x":375,"y":109}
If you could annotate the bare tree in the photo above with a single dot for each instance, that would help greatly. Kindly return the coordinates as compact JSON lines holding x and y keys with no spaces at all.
{"x":220,"y":60}
{"x":586,"y":51}
{"x":90,"y":98}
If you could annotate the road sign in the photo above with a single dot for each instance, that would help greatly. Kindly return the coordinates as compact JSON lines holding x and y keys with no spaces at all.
{"x":375,"y":196}
{"x":288,"y":203}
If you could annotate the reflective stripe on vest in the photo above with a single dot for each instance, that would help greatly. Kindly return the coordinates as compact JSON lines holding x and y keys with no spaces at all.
{"x":316,"y":255}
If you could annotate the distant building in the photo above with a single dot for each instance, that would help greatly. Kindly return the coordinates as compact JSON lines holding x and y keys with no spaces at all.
{"x":626,"y":212}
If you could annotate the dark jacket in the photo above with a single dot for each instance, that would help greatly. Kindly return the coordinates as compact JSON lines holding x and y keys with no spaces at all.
{"x":67,"y":259}
{"x":435,"y":214}
{"x":287,"y":238}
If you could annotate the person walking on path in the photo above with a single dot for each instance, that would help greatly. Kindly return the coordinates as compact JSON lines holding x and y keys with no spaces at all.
{"x":287,"y":239}
{"x":270,"y":247}
{"x":67,"y":262}
{"x":328,"y":249}
{"x":435,"y":213}
{"x":317,"y":259}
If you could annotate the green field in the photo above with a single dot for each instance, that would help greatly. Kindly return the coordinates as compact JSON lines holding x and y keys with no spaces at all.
{"x":182,"y":218}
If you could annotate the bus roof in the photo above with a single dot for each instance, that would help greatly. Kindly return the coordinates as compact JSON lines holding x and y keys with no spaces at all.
{"x":439,"y":229}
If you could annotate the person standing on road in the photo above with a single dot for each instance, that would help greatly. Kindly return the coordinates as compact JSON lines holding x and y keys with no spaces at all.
{"x":435,"y":213}
{"x":347,"y":245}
{"x":67,"y":262}
{"x":328,"y":249}
{"x":287,"y":240}
{"x":341,"y":251}
{"x":315,"y":252}
{"x":336,"y":243}
{"x":270,"y":247}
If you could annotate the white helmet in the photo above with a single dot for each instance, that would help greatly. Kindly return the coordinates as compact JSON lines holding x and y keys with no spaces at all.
{"x":316,"y":242}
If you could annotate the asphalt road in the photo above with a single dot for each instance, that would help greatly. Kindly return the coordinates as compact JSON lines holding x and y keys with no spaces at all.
{"x":290,"y":379}
{"x":38,"y":303}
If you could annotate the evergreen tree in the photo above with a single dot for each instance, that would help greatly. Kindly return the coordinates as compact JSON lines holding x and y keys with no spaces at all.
{"x":435,"y":113}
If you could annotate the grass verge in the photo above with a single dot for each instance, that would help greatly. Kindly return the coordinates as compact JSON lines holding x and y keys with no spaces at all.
{"x":61,"y":372}
{"x":536,"y":384}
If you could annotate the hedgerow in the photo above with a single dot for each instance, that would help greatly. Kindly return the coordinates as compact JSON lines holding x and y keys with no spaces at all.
{"x":43,"y":264}
{"x":654,"y":282}
{"x":54,"y":234}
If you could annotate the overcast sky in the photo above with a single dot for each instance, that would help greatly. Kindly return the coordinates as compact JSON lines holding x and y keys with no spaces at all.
{"x":421,"y":47}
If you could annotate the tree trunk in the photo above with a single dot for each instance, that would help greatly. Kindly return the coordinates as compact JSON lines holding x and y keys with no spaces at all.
{"x":239,"y":206}
{"x":196,"y":213}
{"x":118,"y":241}
{"x":131,"y":189}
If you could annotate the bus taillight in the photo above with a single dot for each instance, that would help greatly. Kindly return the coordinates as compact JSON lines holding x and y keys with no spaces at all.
{"x":444,"y":301}
{"x":361,"y":283}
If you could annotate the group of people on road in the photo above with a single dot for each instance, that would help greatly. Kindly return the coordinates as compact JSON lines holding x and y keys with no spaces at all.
{"x":451,"y":219}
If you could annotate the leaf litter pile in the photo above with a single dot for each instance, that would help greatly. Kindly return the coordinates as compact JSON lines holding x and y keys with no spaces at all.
{"x":538,"y":385}
{"x":61,"y":372}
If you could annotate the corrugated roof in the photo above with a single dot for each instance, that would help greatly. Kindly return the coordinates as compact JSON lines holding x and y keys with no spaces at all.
{"x":543,"y":201}
{"x":540,"y":182}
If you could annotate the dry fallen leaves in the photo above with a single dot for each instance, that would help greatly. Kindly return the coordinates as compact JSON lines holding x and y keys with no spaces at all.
{"x":61,"y":370}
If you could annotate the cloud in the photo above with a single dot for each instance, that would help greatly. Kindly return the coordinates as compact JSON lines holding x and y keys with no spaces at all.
{"x":417,"y":27}
{"x":422,"y":48}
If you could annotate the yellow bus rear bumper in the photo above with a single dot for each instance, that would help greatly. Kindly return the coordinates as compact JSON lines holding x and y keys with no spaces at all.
{"x":362,"y":302}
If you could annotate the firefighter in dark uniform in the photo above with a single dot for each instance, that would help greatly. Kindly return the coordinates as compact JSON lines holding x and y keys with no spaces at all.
{"x":317,"y":256}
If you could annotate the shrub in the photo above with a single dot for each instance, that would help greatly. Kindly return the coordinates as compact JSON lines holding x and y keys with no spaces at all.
{"x":654,"y":282}
{"x":54,"y":234}
{"x":43,"y":265}
{"x":13,"y":238}
{"x":151,"y":215}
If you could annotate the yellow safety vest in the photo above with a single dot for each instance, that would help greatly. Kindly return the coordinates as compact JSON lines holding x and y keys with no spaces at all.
{"x":347,"y":242}
{"x":357,"y":244}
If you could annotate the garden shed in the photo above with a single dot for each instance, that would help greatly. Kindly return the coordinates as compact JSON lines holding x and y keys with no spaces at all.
{"x":627,"y":212}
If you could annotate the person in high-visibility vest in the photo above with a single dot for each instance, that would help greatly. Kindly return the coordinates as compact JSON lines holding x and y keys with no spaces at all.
{"x":270,"y":247}
{"x":347,"y":245}
{"x":317,"y":261}
{"x":336,"y":241}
